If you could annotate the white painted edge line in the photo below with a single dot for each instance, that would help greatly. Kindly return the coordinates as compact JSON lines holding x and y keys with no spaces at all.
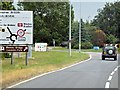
{"x":110,"y":78}
{"x":49,"y":72}
{"x":112,"y":73}
{"x":107,"y":85}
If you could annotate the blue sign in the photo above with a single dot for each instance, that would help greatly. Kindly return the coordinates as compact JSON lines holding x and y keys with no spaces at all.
{"x":96,"y":48}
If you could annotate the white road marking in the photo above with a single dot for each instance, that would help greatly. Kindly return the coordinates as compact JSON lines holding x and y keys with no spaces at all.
{"x":110,"y":78}
{"x":107,"y":85}
{"x":116,"y":69}
{"x":49,"y":73}
{"x":112,"y":73}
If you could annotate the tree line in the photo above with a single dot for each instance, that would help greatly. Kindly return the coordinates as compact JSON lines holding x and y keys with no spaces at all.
{"x":51,"y":21}
{"x":103,"y":29}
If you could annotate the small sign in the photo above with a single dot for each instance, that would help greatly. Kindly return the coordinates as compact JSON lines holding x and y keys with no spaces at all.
{"x":96,"y":47}
{"x":14,"y":48}
{"x":41,"y":47}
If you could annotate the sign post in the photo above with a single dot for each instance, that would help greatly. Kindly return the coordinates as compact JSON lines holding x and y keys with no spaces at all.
{"x":18,"y":54}
{"x":16,"y":28}
{"x":54,"y":42}
{"x":26,"y":61}
{"x":70,"y":29}
{"x":12,"y":58}
{"x":16,"y":49}
{"x":29,"y":51}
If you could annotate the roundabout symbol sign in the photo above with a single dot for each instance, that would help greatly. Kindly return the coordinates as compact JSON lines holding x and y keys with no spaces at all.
{"x":21,"y":32}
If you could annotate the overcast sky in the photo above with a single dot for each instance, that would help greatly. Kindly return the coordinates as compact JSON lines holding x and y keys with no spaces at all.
{"x":87,"y":9}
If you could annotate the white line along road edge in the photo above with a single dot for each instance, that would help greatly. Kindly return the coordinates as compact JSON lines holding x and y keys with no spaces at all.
{"x":49,"y":72}
{"x":107,"y":85}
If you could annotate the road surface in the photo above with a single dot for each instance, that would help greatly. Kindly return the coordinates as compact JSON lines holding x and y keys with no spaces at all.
{"x":91,"y":74}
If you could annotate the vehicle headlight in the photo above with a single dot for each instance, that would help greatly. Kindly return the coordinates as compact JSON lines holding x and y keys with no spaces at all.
{"x":104,"y":52}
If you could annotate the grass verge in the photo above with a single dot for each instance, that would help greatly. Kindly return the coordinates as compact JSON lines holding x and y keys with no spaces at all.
{"x":119,"y":50}
{"x":92,"y":50}
{"x":42,"y":62}
{"x":83,"y":50}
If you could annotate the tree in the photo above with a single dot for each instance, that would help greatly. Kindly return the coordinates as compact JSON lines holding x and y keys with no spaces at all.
{"x":99,"y":38}
{"x":108,"y":19}
{"x":51,"y":20}
{"x":111,"y":39}
{"x":86,"y":34}
{"x":7,"y":6}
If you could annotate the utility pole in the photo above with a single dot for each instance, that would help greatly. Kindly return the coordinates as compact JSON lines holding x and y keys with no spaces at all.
{"x":80,"y":31}
{"x":70,"y":29}
{"x":80,"y":35}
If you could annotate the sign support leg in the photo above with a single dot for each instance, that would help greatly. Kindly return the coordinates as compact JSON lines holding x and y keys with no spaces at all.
{"x":26,"y":61}
{"x":18,"y":54}
{"x":11,"y":58}
{"x":29,"y":51}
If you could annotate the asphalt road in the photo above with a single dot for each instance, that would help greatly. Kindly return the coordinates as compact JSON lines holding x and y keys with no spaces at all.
{"x":91,"y":74}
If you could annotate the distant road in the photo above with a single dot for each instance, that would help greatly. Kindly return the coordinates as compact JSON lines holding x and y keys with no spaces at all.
{"x":91,"y":74}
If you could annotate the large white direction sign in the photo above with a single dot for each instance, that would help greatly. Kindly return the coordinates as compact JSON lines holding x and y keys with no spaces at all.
{"x":16,"y":27}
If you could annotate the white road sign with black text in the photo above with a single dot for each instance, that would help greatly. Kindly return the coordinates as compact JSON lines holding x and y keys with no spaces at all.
{"x":16,"y":27}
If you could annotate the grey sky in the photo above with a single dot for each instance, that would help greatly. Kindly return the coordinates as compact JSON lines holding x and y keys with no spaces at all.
{"x":87,"y":10}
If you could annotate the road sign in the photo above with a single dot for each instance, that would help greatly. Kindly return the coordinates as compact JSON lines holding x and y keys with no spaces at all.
{"x":41,"y":47}
{"x":14,"y":48}
{"x":16,"y":27}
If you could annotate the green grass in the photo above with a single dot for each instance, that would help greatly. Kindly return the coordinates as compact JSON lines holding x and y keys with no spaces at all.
{"x":42,"y":62}
{"x":91,"y":50}
{"x":83,"y":50}
{"x":118,"y":50}
{"x":59,"y":48}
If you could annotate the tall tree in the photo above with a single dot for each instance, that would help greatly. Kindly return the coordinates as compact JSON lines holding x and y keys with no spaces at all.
{"x":108,"y":19}
{"x":51,"y":20}
{"x":99,"y":38}
{"x":7,"y":6}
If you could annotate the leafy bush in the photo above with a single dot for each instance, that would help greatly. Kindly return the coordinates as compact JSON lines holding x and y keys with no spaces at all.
{"x":6,"y":55}
{"x":118,"y":50}
{"x":86,"y":45}
{"x":111,"y":39}
{"x":76,"y":46}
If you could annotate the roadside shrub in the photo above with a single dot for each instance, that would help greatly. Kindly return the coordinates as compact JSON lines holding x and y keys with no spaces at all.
{"x":86,"y":45}
{"x":76,"y":46}
{"x":118,"y":50}
{"x":6,"y":55}
{"x":111,"y":39}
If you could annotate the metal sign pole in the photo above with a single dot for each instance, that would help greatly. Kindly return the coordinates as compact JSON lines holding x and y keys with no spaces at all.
{"x":18,"y":54}
{"x":70,"y":30}
{"x":29,"y":51}
{"x":12,"y":58}
{"x":26,"y":61}
{"x":80,"y":35}
{"x":80,"y":31}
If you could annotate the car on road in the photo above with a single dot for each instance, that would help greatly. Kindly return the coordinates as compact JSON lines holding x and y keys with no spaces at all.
{"x":109,"y":52}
